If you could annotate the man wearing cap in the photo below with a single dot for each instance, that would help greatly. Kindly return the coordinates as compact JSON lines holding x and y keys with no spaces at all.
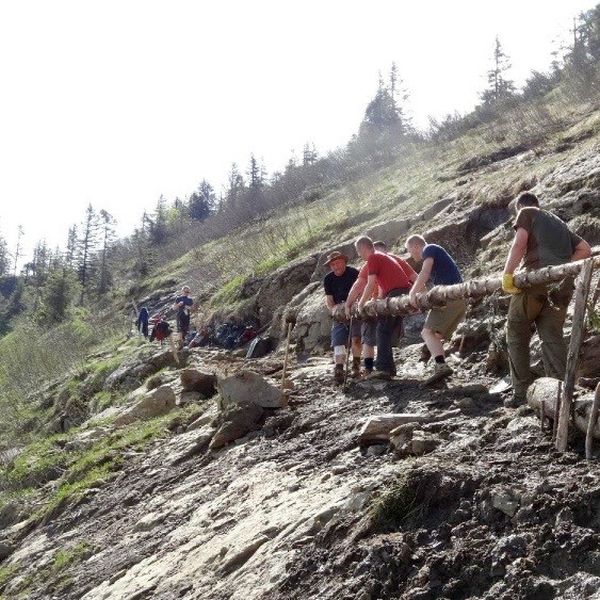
{"x":338,"y":284}
{"x":385,"y":272}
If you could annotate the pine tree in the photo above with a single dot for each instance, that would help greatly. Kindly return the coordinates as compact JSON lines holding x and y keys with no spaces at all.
{"x":19,"y":249}
{"x":499,"y":86}
{"x":385,"y":114}
{"x":202,"y":202}
{"x":56,"y":296}
{"x":71,"y":252}
{"x":309,"y":154}
{"x":4,"y":257}
{"x":158,"y":223}
{"x":107,"y":222}
{"x":86,"y":246}
{"x":235,"y":185}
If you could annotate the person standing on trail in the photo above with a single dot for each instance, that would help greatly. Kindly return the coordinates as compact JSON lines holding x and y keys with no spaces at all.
{"x":142,"y":321}
{"x":385,"y":272}
{"x":183,"y":307}
{"x":368,"y":331}
{"x":441,"y":322}
{"x":338,"y":284}
{"x":541,"y":240}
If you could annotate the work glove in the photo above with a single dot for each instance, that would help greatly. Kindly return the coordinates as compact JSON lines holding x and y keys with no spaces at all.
{"x":508,"y":284}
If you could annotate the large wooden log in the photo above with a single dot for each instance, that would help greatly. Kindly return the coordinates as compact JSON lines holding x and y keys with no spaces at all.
{"x":581,"y":296}
{"x":477,"y":288}
{"x":546,"y":389}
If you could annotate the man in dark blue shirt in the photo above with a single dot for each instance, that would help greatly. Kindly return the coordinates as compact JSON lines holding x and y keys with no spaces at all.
{"x":337,"y":284}
{"x":441,"y":322}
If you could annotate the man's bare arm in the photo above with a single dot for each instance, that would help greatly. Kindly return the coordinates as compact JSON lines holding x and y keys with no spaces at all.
{"x":517,"y":251}
{"x":368,"y":291}
{"x":582,"y":250}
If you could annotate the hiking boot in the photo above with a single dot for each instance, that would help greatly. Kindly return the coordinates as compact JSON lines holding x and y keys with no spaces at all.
{"x":380,"y":375}
{"x":338,"y":374}
{"x":440,"y":371}
{"x":356,"y":367}
{"x":514,"y":401}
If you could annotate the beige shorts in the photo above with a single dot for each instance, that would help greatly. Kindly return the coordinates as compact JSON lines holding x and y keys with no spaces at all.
{"x":445,"y":319}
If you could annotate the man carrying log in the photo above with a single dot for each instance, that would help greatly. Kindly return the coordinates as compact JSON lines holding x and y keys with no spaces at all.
{"x":338,"y":284}
{"x":441,"y":322}
{"x":383,"y":271}
{"x":368,"y":331}
{"x":541,"y":239}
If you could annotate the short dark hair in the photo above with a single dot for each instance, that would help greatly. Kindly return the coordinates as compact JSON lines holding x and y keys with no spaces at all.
{"x":380,"y":244}
{"x":364,"y":241}
{"x":527,"y":199}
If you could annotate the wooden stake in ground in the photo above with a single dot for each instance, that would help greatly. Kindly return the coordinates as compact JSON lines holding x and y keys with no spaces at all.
{"x":285,"y":360}
{"x":589,"y":437}
{"x":173,"y":349}
{"x":348,"y":352}
{"x":581,"y":295}
{"x":557,"y":411}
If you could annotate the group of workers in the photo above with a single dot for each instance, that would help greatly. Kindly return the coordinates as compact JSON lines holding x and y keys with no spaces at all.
{"x":541,"y":239}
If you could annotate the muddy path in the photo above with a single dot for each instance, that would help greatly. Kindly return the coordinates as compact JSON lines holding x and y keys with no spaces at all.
{"x":298,"y":510}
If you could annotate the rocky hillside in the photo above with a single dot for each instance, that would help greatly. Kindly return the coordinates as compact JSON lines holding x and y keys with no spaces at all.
{"x":192,"y":477}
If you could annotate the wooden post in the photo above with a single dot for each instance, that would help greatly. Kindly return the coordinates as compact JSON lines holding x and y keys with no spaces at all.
{"x":285,"y":360}
{"x":348,"y":352}
{"x":589,"y":437}
{"x":173,"y":349}
{"x":542,"y":414}
{"x":556,"y":410}
{"x":581,"y":295}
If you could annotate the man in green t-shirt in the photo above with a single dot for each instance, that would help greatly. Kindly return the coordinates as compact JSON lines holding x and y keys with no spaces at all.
{"x":541,"y":240}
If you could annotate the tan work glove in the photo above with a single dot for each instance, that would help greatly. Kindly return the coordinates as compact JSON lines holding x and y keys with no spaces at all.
{"x":508,"y":284}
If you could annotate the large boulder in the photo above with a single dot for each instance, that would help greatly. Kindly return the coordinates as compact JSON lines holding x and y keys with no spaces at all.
{"x":249,"y":387}
{"x":153,"y":404}
{"x":281,"y":286}
{"x":312,"y":321}
{"x":133,"y":372}
{"x":235,"y":422}
{"x":193,"y":380}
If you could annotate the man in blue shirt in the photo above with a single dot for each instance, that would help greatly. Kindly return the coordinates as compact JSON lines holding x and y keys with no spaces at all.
{"x":441,"y":322}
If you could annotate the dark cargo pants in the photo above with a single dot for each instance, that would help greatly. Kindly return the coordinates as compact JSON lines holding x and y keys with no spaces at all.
{"x":547,"y":309}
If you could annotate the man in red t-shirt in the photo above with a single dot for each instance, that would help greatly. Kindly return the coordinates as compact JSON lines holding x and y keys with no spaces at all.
{"x":369,"y":327}
{"x":392,"y":279}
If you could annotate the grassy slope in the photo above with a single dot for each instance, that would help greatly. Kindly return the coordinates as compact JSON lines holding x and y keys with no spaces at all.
{"x":424,"y":174}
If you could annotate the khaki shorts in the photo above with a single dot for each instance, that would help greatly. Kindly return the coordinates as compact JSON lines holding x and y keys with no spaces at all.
{"x":445,"y":319}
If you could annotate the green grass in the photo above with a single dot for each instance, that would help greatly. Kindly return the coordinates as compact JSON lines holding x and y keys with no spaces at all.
{"x":397,"y":504}
{"x":70,"y":556}
{"x":229,"y":292}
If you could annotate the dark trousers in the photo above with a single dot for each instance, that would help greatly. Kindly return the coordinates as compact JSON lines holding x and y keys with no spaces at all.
{"x":386,"y":328}
{"x":144,"y":329}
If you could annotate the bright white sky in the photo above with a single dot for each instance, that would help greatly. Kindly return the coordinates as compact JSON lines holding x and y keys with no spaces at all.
{"x":117,"y":101}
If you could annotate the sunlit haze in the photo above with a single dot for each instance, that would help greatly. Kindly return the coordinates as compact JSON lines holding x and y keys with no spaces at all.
{"x":115,"y":103}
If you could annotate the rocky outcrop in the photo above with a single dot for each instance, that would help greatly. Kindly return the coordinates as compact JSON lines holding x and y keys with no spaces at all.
{"x":134,"y":371}
{"x":249,"y":387}
{"x":193,"y":380}
{"x":153,"y":404}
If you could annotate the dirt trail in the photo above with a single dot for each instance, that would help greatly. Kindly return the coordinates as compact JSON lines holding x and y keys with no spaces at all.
{"x":288,"y":511}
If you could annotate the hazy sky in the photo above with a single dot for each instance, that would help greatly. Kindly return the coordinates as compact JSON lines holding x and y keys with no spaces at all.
{"x":115,"y":102}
